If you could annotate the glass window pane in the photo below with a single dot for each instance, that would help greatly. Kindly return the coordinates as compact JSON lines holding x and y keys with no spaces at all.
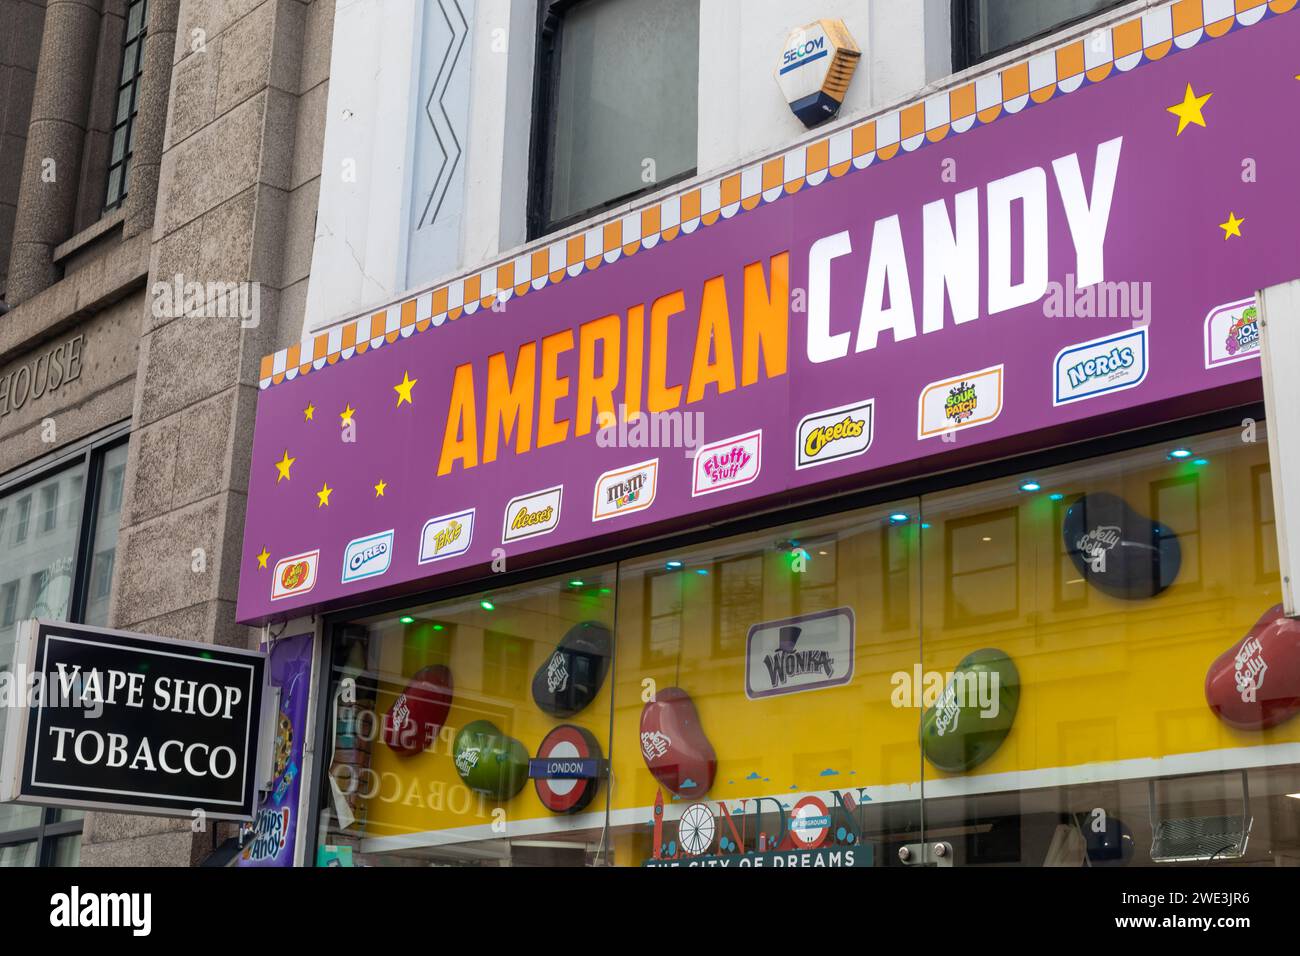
{"x":1005,"y":23}
{"x":17,"y":816}
{"x":452,"y":700}
{"x":617,"y":130}
{"x":1119,"y":656}
{"x":21,"y":854}
{"x":104,"y":544}
{"x":66,"y":851}
{"x":135,"y":18}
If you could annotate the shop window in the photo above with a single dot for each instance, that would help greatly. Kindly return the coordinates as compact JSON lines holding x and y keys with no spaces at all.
{"x":816,"y":585}
{"x":820,"y":705}
{"x":1265,"y":523}
{"x":739,"y":591}
{"x":984,"y":28}
{"x":1070,"y":590}
{"x":663,"y":610}
{"x":616,"y":105}
{"x":1176,"y":502}
{"x":125,"y":108}
{"x":56,"y":573}
{"x":983,"y":557}
{"x":896,"y":567}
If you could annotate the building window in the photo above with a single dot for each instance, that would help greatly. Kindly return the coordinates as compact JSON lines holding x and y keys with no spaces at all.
{"x":62,"y":573}
{"x":616,"y":105}
{"x":128,"y":86}
{"x":982,"y":29}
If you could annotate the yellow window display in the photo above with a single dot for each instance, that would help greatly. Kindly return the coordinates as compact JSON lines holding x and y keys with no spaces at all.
{"x":1080,"y":666}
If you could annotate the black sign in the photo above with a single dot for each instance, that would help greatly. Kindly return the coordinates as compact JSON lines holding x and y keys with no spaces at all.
{"x":127,"y":722}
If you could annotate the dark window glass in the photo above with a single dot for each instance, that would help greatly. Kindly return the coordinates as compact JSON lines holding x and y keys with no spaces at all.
{"x":985,"y":28}
{"x":119,"y":168}
{"x":604,"y":131}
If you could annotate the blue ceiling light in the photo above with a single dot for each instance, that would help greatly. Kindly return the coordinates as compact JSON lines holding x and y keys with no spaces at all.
{"x":1057,"y":496}
{"x":1030,"y":485}
{"x":899,"y":517}
{"x":673,"y":565}
{"x":1201,"y":461}
{"x":1180,"y":453}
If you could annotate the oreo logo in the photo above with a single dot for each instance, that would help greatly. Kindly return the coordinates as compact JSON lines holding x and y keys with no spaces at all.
{"x":368,"y":557}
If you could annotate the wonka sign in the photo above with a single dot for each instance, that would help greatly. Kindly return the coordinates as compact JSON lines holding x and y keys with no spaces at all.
{"x":1053,"y":267}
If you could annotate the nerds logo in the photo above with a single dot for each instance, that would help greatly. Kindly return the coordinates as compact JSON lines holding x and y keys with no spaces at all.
{"x":1111,"y":363}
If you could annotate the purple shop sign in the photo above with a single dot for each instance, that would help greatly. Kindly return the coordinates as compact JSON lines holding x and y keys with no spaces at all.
{"x":274,"y":831}
{"x":940,"y":286}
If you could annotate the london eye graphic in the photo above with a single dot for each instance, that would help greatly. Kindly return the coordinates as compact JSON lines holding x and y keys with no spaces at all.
{"x":696,"y":829}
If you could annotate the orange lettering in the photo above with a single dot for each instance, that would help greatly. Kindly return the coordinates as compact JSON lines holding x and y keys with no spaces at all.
{"x":593,"y":389}
{"x":554,"y":388}
{"x":510,"y":404}
{"x":460,"y":437}
{"x":661,"y":398}
{"x":713,"y":337}
{"x":767,"y":319}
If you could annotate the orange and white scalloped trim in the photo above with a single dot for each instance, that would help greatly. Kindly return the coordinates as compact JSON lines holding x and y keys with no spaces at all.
{"x":980,"y":101}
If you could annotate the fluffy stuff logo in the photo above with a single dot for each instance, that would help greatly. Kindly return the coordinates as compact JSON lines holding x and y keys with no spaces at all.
{"x":727,"y":466}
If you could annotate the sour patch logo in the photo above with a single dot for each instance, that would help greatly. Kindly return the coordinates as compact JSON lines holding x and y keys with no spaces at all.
{"x":962,"y":402}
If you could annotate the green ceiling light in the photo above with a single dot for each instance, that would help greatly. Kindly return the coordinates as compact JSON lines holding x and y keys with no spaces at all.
{"x":439,"y":627}
{"x":577,"y":583}
{"x":487,"y":605}
{"x":408,"y":620}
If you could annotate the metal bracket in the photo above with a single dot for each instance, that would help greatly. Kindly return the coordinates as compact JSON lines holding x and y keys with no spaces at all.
{"x":926,"y":854}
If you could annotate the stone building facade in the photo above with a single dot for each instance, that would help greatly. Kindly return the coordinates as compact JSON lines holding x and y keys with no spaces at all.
{"x":146,"y":146}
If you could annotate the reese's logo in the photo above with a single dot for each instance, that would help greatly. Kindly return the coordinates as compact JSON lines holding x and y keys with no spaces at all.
{"x":531,"y":515}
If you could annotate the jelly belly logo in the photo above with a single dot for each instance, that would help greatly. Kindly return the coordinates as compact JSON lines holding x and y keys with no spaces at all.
{"x":296,"y":575}
{"x":368,"y":557}
{"x":1232,"y":334}
{"x":532,"y":515}
{"x":446,"y":537}
{"x":962,"y":402}
{"x":626,"y":490}
{"x":1111,"y":363}
{"x":799,"y":654}
{"x":835,"y":434}
{"x":728,"y":464}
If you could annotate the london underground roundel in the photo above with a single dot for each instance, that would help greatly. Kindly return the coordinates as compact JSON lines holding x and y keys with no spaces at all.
{"x":566,"y":771}
{"x":810,"y":821}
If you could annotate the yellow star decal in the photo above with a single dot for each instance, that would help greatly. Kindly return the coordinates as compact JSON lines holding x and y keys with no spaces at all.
{"x":346,"y":414}
{"x":1189,"y":110}
{"x":381,"y":488}
{"x":283,"y":466}
{"x":1232,"y":227}
{"x":309,"y":413}
{"x":261,"y":558}
{"x":403,"y":390}
{"x":324,"y":495}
